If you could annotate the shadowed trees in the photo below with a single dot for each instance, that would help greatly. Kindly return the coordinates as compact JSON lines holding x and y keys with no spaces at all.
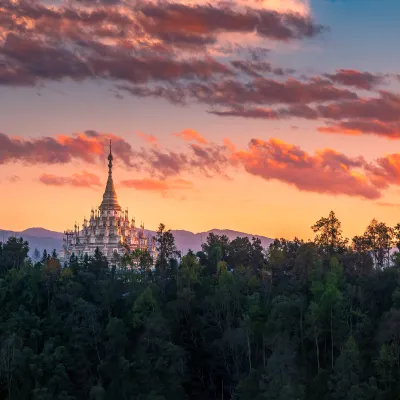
{"x":300,"y":320}
{"x":13,"y":253}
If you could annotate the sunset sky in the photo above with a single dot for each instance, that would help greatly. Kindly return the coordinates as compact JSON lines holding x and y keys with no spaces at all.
{"x":257,"y":115}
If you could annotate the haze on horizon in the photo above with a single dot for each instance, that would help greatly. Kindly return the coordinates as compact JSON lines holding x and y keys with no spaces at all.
{"x":254,"y":116}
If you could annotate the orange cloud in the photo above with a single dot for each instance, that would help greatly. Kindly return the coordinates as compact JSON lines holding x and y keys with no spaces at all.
{"x":92,"y":147}
{"x":89,"y":146}
{"x":390,"y":130}
{"x":390,"y":205}
{"x":385,"y":171}
{"x":327,"y":171}
{"x":229,"y":145}
{"x":82,"y":180}
{"x":156,"y":185}
{"x":150,"y":139}
{"x":190,"y":135}
{"x":324,"y":171}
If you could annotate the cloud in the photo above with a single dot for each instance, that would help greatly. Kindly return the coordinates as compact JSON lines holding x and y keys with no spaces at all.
{"x":379,"y":115}
{"x":150,"y":139}
{"x":229,"y":145}
{"x":294,"y":6}
{"x":30,"y":61}
{"x":238,"y":96}
{"x":89,"y":147}
{"x":385,"y":107}
{"x":360,"y":80}
{"x":385,"y":171}
{"x":208,"y":160}
{"x":386,"y":204}
{"x":134,"y":42}
{"x":122,"y":67}
{"x":257,"y":68}
{"x":268,"y":91}
{"x":81,"y":180}
{"x":360,"y":127}
{"x":326,"y":171}
{"x":248,"y":112}
{"x":288,"y":6}
{"x":205,"y":20}
{"x":157,"y":185}
{"x":293,"y":111}
{"x":99,"y":2}
{"x":175,"y":95}
{"x":190,"y":135}
{"x":185,"y":52}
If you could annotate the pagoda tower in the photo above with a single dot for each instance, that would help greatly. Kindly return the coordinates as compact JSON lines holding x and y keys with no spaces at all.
{"x":108,"y":229}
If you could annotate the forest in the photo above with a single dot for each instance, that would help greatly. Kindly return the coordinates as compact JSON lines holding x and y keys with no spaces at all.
{"x":300,"y":320}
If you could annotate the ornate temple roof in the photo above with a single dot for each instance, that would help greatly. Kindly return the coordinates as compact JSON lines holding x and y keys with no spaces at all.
{"x":110,"y":200}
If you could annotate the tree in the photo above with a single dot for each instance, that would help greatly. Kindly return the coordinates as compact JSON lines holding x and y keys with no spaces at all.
{"x":45,"y":257}
{"x":331,"y":300}
{"x":9,"y":360}
{"x":98,"y":264}
{"x":13,"y":253}
{"x":396,"y":235}
{"x":257,"y":255}
{"x":189,"y":276}
{"x":228,"y":322}
{"x":145,"y":261}
{"x":36,"y":255}
{"x":239,"y":253}
{"x":280,"y":380}
{"x":329,"y":234}
{"x":364,"y":263}
{"x":378,"y":240}
{"x":345,"y":381}
{"x":166,"y":251}
{"x":215,"y":249}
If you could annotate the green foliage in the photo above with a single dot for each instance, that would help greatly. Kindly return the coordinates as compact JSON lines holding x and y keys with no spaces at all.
{"x":300,"y":320}
{"x":329,"y":234}
{"x":13,"y":254}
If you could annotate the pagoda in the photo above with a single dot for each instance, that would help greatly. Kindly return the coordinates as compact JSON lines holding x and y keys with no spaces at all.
{"x":108,"y":229}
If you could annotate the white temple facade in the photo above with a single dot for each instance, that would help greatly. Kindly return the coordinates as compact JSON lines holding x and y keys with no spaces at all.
{"x":108,"y":229}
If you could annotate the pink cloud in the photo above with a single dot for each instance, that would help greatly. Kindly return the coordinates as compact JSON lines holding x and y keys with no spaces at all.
{"x":80,"y":180}
{"x":190,"y":135}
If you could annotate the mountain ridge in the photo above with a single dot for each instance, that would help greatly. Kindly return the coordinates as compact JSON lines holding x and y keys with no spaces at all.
{"x":41,"y":238}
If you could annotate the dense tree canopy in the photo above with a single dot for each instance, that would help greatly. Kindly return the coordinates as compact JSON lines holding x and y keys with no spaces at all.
{"x":297,"y":321}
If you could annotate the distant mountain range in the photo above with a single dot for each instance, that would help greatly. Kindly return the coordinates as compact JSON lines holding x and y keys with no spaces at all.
{"x":40,"y":238}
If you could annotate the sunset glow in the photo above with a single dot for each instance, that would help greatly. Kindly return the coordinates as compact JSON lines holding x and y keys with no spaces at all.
{"x":255,"y":116}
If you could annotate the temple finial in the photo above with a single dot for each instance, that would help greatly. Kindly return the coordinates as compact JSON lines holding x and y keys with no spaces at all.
{"x":110,"y":201}
{"x":110,"y":160}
